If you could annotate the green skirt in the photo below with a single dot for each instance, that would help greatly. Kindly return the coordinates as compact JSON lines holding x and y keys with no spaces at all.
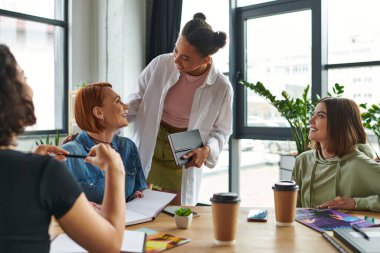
{"x":164,"y":173}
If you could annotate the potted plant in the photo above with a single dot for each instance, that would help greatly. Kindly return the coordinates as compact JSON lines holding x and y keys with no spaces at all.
{"x":371,"y":120}
{"x":49,"y":141}
{"x":183,"y":217}
{"x":297,"y":112}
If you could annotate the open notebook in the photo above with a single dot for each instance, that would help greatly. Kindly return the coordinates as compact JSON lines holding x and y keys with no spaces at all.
{"x":134,"y":242}
{"x":147,"y":208}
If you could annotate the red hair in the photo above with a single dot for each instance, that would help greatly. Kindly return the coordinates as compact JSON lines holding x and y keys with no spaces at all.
{"x":85,"y":100}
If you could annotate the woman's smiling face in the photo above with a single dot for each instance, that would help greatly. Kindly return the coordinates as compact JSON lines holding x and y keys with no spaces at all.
{"x":188,"y":60}
{"x":114,"y":110}
{"x":318,"y":124}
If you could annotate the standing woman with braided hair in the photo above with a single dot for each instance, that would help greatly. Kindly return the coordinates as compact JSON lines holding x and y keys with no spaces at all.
{"x":180,"y":91}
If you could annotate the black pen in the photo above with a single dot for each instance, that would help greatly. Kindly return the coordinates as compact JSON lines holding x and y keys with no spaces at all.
{"x":73,"y":156}
{"x":334,"y":243}
{"x":359,"y":230}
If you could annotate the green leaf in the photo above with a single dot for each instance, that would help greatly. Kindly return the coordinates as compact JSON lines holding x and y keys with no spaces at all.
{"x":56,"y":141}
{"x":183,"y":211}
{"x":371,"y":118}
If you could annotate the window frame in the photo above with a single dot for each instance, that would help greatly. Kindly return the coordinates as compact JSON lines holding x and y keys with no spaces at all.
{"x":64,"y":25}
{"x":318,"y":61}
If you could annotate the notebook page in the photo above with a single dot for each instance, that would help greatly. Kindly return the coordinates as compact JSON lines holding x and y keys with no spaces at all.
{"x":134,"y":241}
{"x":152,"y":203}
{"x":132,"y":217}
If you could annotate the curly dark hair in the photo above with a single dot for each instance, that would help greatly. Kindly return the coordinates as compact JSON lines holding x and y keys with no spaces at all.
{"x":16,"y":108}
{"x":201,"y":36}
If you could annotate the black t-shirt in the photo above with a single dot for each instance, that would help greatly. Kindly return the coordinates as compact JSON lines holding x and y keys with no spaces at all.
{"x":32,"y":189}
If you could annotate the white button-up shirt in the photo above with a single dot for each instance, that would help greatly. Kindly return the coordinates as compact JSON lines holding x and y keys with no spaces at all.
{"x":211,"y":113}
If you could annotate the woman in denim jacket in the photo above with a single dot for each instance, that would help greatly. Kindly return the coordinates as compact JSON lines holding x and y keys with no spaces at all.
{"x":99,"y":112}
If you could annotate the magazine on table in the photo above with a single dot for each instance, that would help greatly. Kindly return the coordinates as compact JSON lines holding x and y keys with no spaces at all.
{"x":162,"y":241}
{"x":328,"y":219}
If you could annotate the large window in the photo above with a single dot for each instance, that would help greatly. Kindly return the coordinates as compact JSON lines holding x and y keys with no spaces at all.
{"x":280,"y":59}
{"x":241,"y":3}
{"x":275,"y":45}
{"x":287,"y":45}
{"x":36,"y":33}
{"x":354,"y":50}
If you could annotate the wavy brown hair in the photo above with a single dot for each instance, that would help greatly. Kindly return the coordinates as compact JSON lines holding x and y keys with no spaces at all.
{"x":16,"y":107}
{"x":344,"y":126}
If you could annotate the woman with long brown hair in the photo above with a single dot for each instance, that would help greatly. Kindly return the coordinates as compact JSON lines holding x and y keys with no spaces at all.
{"x":340,"y":171}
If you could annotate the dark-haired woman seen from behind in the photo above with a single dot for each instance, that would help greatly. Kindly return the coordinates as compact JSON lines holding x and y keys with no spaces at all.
{"x":182,"y":91}
{"x":33,"y":187}
{"x":339,"y":172}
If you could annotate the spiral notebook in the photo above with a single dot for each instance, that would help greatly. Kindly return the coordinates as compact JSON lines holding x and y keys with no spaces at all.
{"x":182,"y":143}
{"x":357,"y":243}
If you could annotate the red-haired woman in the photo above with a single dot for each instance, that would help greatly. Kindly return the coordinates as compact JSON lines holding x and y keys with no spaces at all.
{"x":99,"y":112}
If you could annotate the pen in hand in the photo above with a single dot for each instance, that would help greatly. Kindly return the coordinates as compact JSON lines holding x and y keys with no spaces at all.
{"x":73,"y":156}
{"x":360,"y":231}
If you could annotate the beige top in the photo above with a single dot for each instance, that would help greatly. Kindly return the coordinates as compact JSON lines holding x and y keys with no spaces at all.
{"x":178,"y":101}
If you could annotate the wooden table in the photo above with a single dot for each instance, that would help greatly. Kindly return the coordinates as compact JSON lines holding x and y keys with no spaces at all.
{"x":251,"y":236}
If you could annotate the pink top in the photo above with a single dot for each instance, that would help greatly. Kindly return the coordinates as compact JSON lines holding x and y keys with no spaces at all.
{"x":179,"y":100}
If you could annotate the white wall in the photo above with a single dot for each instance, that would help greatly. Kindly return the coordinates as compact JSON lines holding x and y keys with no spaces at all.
{"x":134,"y":55}
{"x":135,"y":44}
{"x":106,"y":43}
{"x":116,"y":36}
{"x":83,"y":42}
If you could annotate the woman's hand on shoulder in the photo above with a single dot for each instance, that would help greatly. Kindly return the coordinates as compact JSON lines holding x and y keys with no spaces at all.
{"x":50,"y":150}
{"x":69,"y":138}
{"x":198,"y":157}
{"x":105,"y":157}
{"x":339,"y":203}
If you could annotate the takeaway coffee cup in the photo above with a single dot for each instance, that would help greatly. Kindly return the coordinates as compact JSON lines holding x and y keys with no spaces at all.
{"x":225,"y":210}
{"x":285,"y":202}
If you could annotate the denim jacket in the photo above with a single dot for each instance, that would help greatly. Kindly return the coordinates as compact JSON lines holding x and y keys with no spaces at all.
{"x":92,"y":179}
